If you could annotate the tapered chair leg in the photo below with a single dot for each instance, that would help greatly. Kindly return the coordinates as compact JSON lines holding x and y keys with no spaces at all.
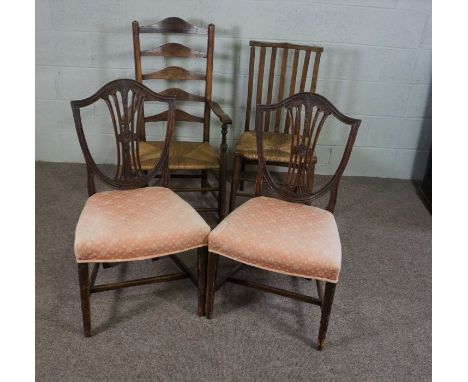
{"x":319,"y":285}
{"x":235,"y":181}
{"x":213,"y":259}
{"x":326,"y":310}
{"x":202,"y":258}
{"x":85,"y":294}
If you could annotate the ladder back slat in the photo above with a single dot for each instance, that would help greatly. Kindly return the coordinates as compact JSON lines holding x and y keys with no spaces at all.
{"x":173,"y":50}
{"x":180,"y":115}
{"x":173,"y":25}
{"x":182,"y":95}
{"x":174,"y":73}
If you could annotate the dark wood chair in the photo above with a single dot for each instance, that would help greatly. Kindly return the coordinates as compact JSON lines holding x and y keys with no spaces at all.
{"x":134,"y":221}
{"x":286,"y":235}
{"x":198,"y":158}
{"x":293,"y":78}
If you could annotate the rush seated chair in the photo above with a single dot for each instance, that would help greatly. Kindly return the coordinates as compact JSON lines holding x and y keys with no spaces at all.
{"x":134,"y":221}
{"x":286,"y":235}
{"x":198,"y":158}
{"x":292,"y":69}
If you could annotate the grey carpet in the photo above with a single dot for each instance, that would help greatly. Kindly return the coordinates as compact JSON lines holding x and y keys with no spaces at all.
{"x":380,"y":328}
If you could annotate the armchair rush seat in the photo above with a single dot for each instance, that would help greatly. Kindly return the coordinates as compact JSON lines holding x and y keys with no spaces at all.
{"x":182,"y":155}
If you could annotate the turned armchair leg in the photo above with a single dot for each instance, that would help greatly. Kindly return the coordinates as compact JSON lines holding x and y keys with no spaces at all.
{"x":222,"y":190}
{"x":85,"y":295}
{"x":213,"y":259}
{"x":326,"y":310}
{"x":235,"y":181}
{"x":202,"y":258}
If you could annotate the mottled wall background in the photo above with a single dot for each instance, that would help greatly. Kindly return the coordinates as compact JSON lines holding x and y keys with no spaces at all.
{"x":376,"y":66}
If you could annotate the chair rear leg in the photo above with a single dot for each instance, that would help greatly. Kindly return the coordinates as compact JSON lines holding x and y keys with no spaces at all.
{"x":202,"y":255}
{"x":241,"y":183}
{"x":85,"y":294}
{"x":204,"y":180}
{"x":235,"y":181}
{"x":326,"y":309}
{"x":213,"y":259}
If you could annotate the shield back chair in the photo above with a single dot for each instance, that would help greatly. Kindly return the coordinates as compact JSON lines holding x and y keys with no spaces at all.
{"x":305,"y":243}
{"x":197,"y":158}
{"x":292,"y":69}
{"x":133,"y":221}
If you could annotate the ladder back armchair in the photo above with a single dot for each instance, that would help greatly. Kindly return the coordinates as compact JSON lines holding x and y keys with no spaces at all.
{"x":198,"y":158}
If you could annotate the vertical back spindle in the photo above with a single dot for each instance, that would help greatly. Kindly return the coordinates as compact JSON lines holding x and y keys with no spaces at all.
{"x":284,"y":63}
{"x":250,"y":88}
{"x":270,"y":85}
{"x":305,"y":68}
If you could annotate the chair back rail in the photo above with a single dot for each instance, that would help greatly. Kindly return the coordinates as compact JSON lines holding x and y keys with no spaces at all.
{"x":124,"y":99}
{"x":175,"y":25}
{"x":308,"y":113}
{"x":276,"y":56}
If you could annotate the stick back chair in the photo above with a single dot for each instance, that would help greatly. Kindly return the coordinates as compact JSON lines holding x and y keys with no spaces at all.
{"x":287,"y":235}
{"x":282,"y":79}
{"x":133,"y":221}
{"x":198,"y":157}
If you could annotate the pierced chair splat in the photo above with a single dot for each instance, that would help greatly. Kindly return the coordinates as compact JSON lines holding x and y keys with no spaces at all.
{"x":187,"y":159}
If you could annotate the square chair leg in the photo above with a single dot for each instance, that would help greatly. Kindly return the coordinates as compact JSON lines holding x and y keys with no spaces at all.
{"x":85,"y":295}
{"x":213,"y":259}
{"x":326,"y":310}
{"x":202,"y":259}
{"x":236,"y":171}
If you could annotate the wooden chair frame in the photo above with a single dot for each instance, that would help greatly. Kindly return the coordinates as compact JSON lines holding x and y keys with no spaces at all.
{"x":297,"y":187}
{"x":124,"y":99}
{"x":175,"y":25}
{"x":311,"y":59}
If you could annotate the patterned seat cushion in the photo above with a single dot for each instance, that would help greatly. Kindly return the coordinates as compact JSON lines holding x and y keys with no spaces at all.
{"x":137,"y":224}
{"x":182,"y":155}
{"x":283,"y":237}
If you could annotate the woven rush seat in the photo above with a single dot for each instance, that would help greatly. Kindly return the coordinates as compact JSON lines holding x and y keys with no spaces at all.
{"x":276,"y":146}
{"x":182,"y":155}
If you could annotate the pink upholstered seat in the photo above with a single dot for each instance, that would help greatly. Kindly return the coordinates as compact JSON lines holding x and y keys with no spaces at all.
{"x":137,"y":224}
{"x":279,"y":236}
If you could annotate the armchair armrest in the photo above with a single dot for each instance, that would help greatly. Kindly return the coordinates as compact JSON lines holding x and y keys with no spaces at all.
{"x":223,"y":117}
